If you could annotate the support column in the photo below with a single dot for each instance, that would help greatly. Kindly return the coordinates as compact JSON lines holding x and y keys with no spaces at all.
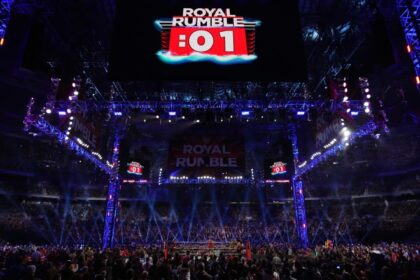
{"x":298,"y":196}
{"x":409,"y":15}
{"x":111,"y":213}
{"x":5,"y":8}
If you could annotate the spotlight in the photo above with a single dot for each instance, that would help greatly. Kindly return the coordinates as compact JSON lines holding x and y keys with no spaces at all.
{"x":68,"y":111}
{"x":367,"y":90}
{"x":68,"y":132}
{"x":48,"y":111}
{"x":345,"y":98}
{"x":117,"y":114}
{"x":170,"y":121}
{"x":62,"y":113}
{"x":183,"y":117}
{"x":197,"y":121}
{"x":245,"y":113}
{"x":157,"y":116}
{"x":76,"y":93}
{"x":367,"y":110}
{"x":70,"y":98}
{"x":73,"y":84}
{"x":71,"y":118}
{"x":354,"y":113}
{"x":368,"y":96}
{"x":366,"y":104}
{"x":172,"y":113}
{"x":346,"y":133}
{"x":348,"y":110}
{"x":231,"y":116}
{"x":300,"y":113}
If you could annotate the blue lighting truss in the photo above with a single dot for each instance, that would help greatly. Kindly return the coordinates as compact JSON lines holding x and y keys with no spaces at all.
{"x":48,"y":129}
{"x":111,"y":214}
{"x":298,"y":196}
{"x":205,"y":182}
{"x":153,"y":106}
{"x":5,"y":9}
{"x":367,"y":129}
{"x":409,"y":11}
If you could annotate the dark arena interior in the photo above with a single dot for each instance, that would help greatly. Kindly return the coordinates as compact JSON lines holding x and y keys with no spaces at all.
{"x":210,"y":139}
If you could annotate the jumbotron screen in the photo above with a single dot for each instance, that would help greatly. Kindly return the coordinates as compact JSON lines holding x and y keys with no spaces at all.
{"x":208,"y":40}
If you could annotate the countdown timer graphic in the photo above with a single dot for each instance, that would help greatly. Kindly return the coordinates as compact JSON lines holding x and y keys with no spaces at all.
{"x":135,"y":168}
{"x":207,"y":40}
{"x":207,"y":34}
{"x":278,"y":168}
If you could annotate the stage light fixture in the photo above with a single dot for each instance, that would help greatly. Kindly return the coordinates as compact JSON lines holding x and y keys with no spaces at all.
{"x":68,"y":111}
{"x":62,"y":113}
{"x":301,"y":113}
{"x":172,"y":113}
{"x":48,"y":111}
{"x":245,"y":113}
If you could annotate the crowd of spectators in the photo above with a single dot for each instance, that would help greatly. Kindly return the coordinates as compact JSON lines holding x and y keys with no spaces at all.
{"x":277,"y":262}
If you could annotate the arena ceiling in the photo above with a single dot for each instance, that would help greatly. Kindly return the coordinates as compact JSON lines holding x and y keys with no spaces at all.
{"x":78,"y":35}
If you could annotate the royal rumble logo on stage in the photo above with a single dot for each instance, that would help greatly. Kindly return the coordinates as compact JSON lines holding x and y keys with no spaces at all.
{"x":207,"y":35}
{"x":197,"y":156}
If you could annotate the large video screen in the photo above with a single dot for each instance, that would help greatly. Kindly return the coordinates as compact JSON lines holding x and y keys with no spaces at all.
{"x":278,"y":164}
{"x":244,"y":40}
{"x":215,"y":156}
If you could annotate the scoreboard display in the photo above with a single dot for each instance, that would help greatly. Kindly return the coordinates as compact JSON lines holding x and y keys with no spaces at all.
{"x":208,"y":40}
{"x":203,"y":34}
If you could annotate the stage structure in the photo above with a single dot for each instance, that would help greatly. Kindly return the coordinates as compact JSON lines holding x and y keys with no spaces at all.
{"x":410,"y":20}
{"x":120,"y":110}
{"x":5,"y":9}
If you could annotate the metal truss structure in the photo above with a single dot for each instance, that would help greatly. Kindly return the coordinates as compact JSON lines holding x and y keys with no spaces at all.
{"x":5,"y":9}
{"x":114,"y":186}
{"x":46,"y":128}
{"x":118,"y":109}
{"x":206,"y":182}
{"x":365,"y":130}
{"x":153,"y":106}
{"x":298,"y":196}
{"x":410,"y":20}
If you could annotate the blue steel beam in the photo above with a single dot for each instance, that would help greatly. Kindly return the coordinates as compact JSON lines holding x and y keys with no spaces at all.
{"x":46,"y":128}
{"x":5,"y":9}
{"x":111,"y":214}
{"x":409,"y":11}
{"x":364,"y":130}
{"x":298,"y":196}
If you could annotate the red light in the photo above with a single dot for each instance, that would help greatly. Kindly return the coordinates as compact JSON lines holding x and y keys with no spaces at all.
{"x":418,"y":80}
{"x":408,"y":48}
{"x":1,"y":41}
